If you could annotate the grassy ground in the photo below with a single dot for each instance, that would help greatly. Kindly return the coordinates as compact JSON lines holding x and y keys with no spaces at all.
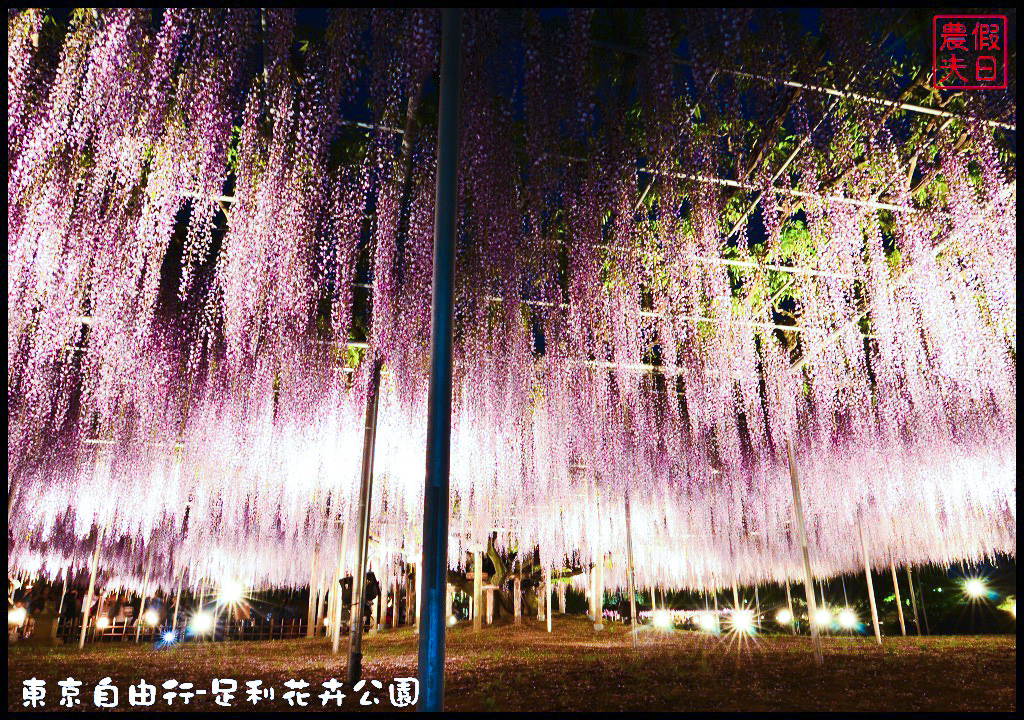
{"x":524,"y":668}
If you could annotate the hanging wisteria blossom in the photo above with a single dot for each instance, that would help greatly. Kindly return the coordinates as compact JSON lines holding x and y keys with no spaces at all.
{"x":215,"y":230}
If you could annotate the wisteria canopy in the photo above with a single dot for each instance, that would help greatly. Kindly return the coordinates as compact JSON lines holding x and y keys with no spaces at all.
{"x":676,"y":253}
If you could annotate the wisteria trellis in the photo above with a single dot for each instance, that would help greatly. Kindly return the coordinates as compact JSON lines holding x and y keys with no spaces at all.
{"x":196,"y":229}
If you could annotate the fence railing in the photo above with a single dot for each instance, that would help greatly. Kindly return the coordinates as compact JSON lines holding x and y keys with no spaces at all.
{"x":70,"y":630}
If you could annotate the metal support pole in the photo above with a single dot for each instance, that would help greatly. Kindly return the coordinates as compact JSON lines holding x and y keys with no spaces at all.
{"x":808,"y":580}
{"x":913,"y":601}
{"x":439,"y":413}
{"x":899,"y":603}
{"x":355,"y":637}
{"x":629,"y":557}
{"x":867,"y":574}
{"x":92,"y":587}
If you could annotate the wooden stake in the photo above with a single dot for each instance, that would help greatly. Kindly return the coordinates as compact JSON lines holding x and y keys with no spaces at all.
{"x":629,"y":557}
{"x":547,"y":594}
{"x":867,"y":574}
{"x":339,"y":606}
{"x":177,"y":600}
{"x":92,"y":587}
{"x":789,"y":604}
{"x":478,"y":583}
{"x":808,"y":580}
{"x":913,"y":601}
{"x":314,"y":581}
{"x":517,"y":600}
{"x":145,"y":597}
{"x":899,"y":603}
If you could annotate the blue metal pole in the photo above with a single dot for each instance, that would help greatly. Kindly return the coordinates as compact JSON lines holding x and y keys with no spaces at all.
{"x":439,"y":413}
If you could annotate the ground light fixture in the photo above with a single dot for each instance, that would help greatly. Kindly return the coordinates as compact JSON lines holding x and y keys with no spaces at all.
{"x":742,"y":621}
{"x":784,"y":617}
{"x":151,"y":617}
{"x":102,"y":622}
{"x":16,"y":616}
{"x":662,"y":620}
{"x":202,"y":623}
{"x":975,"y":588}
{"x":231,"y":592}
{"x":847,"y":619}
{"x":707,"y":622}
{"x":823,"y":617}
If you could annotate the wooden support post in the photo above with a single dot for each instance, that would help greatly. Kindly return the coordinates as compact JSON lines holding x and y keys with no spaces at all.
{"x":757,"y":603}
{"x":789,"y":605}
{"x":142,"y":604}
{"x":547,"y":595}
{"x":913,"y":601}
{"x":63,"y":591}
{"x":735,"y":596}
{"x":591,"y":594}
{"x":802,"y":533}
{"x":924,"y":607}
{"x":418,"y":569}
{"x":867,"y":574}
{"x":517,"y":600}
{"x":599,"y":594}
{"x":92,"y":588}
{"x":449,"y":599}
{"x":339,"y":605}
{"x":478,"y":583}
{"x":629,"y":558}
{"x":408,"y":594}
{"x":394,"y":603}
{"x":489,"y":618}
{"x":314,"y":581}
{"x":561,"y":598}
{"x":177,"y":600}
{"x":899,"y":603}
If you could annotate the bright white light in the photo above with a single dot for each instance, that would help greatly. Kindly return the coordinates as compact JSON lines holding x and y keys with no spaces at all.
{"x":742,"y":621}
{"x":326,"y":622}
{"x":662,"y":620}
{"x":707,"y":622}
{"x":102,"y":622}
{"x":847,"y":619}
{"x":452,"y":620}
{"x":16,"y":616}
{"x":822,"y":617}
{"x":202,"y":622}
{"x":152,"y":617}
{"x":975,"y":588}
{"x":784,"y":617}
{"x":231,"y":593}
{"x":169,"y":637}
